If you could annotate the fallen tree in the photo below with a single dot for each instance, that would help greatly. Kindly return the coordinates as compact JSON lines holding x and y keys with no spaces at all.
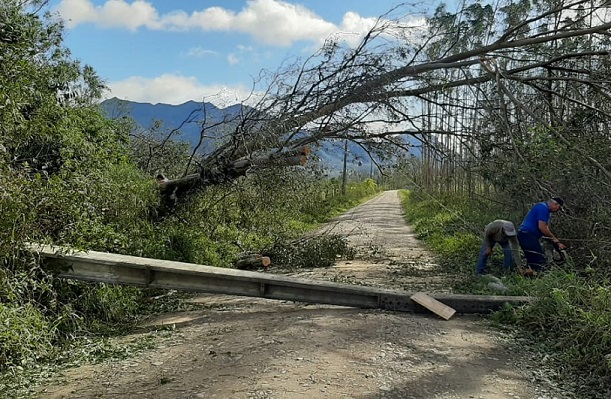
{"x":172,"y":190}
{"x":377,"y":92}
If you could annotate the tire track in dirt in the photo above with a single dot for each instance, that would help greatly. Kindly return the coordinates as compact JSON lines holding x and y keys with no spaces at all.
{"x":388,"y":253}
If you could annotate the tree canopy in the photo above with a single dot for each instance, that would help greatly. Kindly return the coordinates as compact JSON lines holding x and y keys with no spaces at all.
{"x":432,"y":77}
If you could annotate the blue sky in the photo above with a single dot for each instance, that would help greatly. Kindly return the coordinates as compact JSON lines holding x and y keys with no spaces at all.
{"x":168,"y":51}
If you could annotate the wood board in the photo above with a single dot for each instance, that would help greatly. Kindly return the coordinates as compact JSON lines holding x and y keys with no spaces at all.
{"x":433,"y":305}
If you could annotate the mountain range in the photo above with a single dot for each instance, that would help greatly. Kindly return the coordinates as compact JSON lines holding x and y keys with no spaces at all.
{"x":188,"y":118}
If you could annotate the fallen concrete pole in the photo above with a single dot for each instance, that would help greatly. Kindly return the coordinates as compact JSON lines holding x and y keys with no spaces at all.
{"x":145,"y":272}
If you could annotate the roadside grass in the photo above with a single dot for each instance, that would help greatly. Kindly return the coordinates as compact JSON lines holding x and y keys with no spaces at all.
{"x":49,"y":324}
{"x":27,"y":382}
{"x":569,"y":323}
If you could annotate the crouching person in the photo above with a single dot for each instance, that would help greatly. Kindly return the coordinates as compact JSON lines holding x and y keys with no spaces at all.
{"x":500,"y":232}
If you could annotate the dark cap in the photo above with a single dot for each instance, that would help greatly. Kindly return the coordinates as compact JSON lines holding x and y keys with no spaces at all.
{"x":559,"y":201}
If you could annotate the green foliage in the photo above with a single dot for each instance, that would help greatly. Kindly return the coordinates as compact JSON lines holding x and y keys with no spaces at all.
{"x":214,"y":226}
{"x":312,"y":252}
{"x":18,"y":381}
{"x":449,"y":226}
{"x":99,"y":308}
{"x":572,"y":313}
{"x":64,"y":178}
{"x":154,"y":152}
{"x":505,"y":317}
{"x":573,"y":317}
{"x":25,"y":335}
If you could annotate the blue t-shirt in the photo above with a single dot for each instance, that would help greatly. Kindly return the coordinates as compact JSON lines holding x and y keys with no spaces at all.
{"x":539,"y":212}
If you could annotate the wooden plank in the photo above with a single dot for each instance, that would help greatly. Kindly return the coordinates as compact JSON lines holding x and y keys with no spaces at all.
{"x":433,"y":305}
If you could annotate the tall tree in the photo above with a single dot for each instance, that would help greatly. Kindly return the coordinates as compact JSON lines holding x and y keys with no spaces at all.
{"x":341,"y":91}
{"x":55,"y":144}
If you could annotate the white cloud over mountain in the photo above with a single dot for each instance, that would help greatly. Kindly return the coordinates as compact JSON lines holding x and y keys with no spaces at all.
{"x":175,"y":89}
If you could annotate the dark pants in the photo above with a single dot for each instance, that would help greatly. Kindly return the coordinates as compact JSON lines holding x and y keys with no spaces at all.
{"x":533,"y":251}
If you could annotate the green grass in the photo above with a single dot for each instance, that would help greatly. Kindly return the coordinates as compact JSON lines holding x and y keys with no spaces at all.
{"x":24,"y":382}
{"x":570,"y":321}
{"x":48,"y":323}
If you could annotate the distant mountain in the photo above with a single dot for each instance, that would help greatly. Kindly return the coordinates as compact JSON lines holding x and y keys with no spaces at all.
{"x":187,"y":117}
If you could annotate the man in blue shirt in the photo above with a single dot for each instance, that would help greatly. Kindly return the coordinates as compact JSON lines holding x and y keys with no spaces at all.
{"x":535,"y":226}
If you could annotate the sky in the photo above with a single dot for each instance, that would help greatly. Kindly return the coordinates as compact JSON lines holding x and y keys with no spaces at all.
{"x":173,"y":51}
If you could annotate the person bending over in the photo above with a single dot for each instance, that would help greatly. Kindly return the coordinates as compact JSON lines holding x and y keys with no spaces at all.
{"x":500,"y":232}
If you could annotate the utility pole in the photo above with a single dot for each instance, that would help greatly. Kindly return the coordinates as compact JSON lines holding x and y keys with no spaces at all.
{"x":345,"y":163}
{"x":371,"y":166}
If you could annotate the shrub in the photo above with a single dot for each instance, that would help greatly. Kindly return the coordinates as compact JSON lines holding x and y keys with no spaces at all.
{"x":310,"y":252}
{"x":572,"y":313}
{"x":26,"y":336}
{"x":573,"y":318}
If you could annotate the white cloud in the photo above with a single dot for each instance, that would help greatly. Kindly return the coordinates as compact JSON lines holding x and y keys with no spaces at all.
{"x":113,"y":13}
{"x":279,"y":23}
{"x":354,"y":27}
{"x":271,"y":22}
{"x":243,"y":52}
{"x":199,"y":52}
{"x":232,"y":59}
{"x":175,"y":89}
{"x":241,"y":47}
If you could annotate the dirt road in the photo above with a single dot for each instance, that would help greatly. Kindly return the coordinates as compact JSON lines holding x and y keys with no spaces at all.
{"x":254,"y":348}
